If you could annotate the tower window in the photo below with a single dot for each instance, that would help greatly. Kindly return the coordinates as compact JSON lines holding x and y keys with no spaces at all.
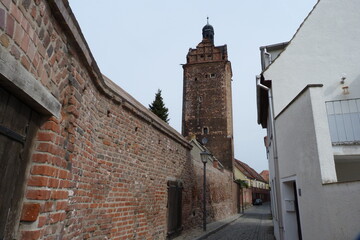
{"x":202,"y":55}
{"x":213,"y":75}
{"x":205,"y":130}
{"x":199,"y":99}
{"x":195,"y":79}
{"x":209,"y":55}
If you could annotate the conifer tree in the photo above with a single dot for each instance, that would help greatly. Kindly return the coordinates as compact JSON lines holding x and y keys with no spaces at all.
{"x":158,"y":107}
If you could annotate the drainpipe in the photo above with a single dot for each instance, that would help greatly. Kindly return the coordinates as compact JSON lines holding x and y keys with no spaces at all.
{"x":275,"y":153}
{"x":263,"y":59}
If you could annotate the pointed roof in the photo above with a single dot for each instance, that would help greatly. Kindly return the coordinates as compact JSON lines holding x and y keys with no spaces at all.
{"x":262,"y":99}
{"x":285,"y":44}
{"x":248,"y":171}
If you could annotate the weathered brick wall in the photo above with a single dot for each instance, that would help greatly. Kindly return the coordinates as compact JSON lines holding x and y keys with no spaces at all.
{"x":100,"y":170}
{"x":220,"y":192}
{"x":247,"y":197}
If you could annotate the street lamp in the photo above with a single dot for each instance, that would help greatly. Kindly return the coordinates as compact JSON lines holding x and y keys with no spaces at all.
{"x":204,"y":158}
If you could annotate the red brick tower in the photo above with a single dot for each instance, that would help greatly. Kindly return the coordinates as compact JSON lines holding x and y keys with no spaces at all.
{"x":207,"y":102}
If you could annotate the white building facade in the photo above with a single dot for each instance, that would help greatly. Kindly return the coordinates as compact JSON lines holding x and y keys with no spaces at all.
{"x":309,"y":100}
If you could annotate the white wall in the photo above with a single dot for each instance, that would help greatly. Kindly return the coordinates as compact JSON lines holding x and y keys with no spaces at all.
{"x":325,"y":47}
{"x":305,"y":155}
{"x":275,"y":208}
{"x":298,"y":158}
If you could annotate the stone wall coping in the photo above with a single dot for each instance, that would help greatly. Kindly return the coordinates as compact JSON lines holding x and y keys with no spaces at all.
{"x":18,"y":80}
{"x":136,"y":107}
{"x":65,"y":17}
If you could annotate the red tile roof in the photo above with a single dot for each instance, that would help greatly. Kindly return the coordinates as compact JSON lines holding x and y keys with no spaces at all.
{"x":248,"y":171}
{"x":265,"y":175}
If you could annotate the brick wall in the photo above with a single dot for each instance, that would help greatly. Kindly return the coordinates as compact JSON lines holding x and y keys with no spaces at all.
{"x":100,"y":170}
{"x":220,"y":191}
{"x":247,"y":198}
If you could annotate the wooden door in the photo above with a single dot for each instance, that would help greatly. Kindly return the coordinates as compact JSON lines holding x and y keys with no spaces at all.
{"x":17,"y":129}
{"x":174,"y":208}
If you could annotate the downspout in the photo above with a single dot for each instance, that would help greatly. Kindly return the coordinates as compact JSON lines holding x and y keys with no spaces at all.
{"x":275,"y":152}
{"x":262,"y":57}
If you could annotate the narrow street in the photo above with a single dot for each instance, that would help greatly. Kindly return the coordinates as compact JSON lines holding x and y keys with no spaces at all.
{"x":255,"y":224}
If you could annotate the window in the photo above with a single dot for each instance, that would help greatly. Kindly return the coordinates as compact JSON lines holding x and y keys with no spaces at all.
{"x":205,"y":130}
{"x":213,"y":75}
{"x":347,"y":168}
{"x":344,"y":119}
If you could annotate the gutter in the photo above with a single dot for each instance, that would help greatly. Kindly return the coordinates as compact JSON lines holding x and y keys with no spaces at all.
{"x":275,"y":153}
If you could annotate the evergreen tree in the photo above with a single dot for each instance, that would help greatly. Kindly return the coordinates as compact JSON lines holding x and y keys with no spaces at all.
{"x":158,"y":107}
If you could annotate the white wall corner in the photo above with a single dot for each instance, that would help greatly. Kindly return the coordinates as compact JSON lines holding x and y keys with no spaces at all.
{"x":322,"y":134}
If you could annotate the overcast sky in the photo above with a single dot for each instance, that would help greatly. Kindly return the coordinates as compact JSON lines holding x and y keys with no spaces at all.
{"x":141,"y":44}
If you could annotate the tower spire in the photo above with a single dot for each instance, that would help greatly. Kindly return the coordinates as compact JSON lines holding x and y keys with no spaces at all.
{"x":208,"y":31}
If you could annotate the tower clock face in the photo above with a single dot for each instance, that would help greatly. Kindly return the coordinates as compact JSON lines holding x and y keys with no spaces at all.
{"x":204,"y":140}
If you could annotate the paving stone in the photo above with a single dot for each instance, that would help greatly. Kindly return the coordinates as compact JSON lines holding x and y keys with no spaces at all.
{"x":255,"y":224}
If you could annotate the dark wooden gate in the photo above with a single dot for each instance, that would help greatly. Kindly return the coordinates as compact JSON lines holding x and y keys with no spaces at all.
{"x":174,"y":208}
{"x":17,"y":128}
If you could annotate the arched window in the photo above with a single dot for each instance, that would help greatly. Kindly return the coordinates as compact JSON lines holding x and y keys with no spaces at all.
{"x":205,"y":130}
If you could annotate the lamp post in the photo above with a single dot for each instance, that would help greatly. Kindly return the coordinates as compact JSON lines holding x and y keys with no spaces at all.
{"x":204,"y":158}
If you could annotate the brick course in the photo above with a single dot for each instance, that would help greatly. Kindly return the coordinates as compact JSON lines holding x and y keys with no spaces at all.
{"x":101,"y":169}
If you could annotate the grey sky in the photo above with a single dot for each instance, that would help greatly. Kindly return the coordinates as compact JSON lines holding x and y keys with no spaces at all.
{"x":140,"y":45}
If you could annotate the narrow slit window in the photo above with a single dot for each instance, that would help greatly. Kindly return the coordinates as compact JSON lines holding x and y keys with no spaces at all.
{"x":206,"y":130}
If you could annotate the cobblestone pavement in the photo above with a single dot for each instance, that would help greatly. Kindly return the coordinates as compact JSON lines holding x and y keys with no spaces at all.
{"x":255,"y":224}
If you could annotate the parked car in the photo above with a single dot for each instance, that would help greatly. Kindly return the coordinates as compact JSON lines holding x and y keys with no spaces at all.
{"x":258,"y":201}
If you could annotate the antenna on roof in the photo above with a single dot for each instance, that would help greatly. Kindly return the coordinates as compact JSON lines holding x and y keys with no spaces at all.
{"x":207,"y":20}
